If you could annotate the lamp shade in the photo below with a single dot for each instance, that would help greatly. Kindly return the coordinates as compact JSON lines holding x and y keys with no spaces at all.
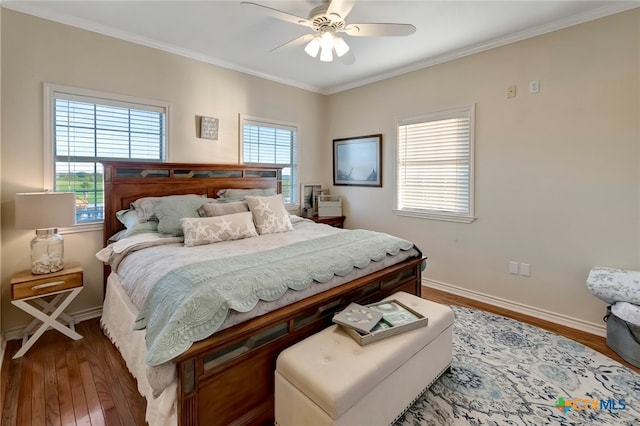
{"x":326,"y":55}
{"x":39,"y":210}
{"x":341,"y":47}
{"x":313,"y":47}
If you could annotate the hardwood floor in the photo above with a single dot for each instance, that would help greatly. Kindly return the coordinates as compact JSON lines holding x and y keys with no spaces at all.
{"x":64,"y":382}
{"x":596,"y":343}
{"x":85,"y":382}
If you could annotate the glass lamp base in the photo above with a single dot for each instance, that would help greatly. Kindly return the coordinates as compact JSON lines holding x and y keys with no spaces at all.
{"x":47,"y":252}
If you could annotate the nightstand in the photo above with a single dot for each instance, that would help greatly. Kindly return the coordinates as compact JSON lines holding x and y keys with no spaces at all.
{"x":28,"y":292}
{"x":335,"y":221}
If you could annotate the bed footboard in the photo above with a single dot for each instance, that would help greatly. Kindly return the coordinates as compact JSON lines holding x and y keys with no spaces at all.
{"x":229,"y":378}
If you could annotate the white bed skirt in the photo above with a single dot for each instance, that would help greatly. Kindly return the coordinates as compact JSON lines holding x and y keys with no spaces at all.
{"x":118,"y":316}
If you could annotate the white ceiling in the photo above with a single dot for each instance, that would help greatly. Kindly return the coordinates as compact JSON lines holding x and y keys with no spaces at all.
{"x":225,"y":33}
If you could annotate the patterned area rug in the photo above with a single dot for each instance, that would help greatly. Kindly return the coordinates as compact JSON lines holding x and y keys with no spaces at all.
{"x":506,"y":372}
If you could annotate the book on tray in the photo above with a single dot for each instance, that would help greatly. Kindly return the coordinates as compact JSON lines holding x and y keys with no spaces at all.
{"x":370,"y":323}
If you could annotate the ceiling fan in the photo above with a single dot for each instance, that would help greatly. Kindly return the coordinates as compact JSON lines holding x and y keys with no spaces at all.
{"x":327,"y":22}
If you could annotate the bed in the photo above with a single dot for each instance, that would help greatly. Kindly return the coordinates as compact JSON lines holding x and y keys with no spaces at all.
{"x":228,"y":377}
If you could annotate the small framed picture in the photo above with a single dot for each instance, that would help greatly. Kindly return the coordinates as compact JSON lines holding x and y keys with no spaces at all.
{"x":209,"y":128}
{"x":358,"y":161}
{"x":309,"y":193}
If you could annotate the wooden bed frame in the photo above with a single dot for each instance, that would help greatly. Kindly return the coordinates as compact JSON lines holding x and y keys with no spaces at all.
{"x":228,"y":378}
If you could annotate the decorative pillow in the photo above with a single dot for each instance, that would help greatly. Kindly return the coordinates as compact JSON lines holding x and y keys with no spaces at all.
{"x":221,"y":209}
{"x":240,"y":194}
{"x":269,"y":214}
{"x":129,"y":218}
{"x":117,"y":236}
{"x":170,"y":210}
{"x":145,"y":207}
{"x":207,"y":230}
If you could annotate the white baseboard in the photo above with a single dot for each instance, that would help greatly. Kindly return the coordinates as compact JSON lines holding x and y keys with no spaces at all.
{"x":78,"y":316}
{"x":564,"y":320}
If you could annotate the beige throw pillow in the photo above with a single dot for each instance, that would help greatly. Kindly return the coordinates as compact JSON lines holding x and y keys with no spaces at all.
{"x":269,"y":214}
{"x":207,"y":230}
{"x":221,"y":209}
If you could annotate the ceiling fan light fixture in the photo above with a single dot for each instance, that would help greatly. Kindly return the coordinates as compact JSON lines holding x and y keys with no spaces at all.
{"x":341,"y":46}
{"x":328,"y":21}
{"x":327,"y":40}
{"x":326,"y":55}
{"x":313,"y":47}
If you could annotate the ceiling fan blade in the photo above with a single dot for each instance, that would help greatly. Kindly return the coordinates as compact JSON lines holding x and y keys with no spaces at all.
{"x":348,"y":58}
{"x":379,"y":30}
{"x":275,"y":13}
{"x":339,"y":9}
{"x":296,"y":41}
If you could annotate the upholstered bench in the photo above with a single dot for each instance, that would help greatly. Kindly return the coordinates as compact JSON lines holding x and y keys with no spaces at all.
{"x":329,"y":379}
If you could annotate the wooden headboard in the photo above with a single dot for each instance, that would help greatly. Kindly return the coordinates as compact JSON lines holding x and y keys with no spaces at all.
{"x":125,"y":182}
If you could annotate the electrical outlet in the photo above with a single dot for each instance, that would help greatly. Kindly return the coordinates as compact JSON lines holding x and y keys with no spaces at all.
{"x":525,"y":269}
{"x":513,"y":267}
{"x":511,"y":91}
{"x":534,"y":86}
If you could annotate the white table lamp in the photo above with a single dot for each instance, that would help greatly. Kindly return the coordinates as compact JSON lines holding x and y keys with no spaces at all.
{"x":44,"y":212}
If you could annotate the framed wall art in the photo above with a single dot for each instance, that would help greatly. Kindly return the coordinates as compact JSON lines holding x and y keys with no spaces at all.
{"x":309,"y":193}
{"x":208,"y":128}
{"x":358,"y":161}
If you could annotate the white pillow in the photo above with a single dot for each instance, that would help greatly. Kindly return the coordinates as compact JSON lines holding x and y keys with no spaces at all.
{"x":131,"y":221}
{"x":269,"y":214}
{"x":207,"y":230}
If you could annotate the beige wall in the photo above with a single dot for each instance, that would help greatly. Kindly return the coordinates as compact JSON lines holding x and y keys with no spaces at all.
{"x":36,"y":51}
{"x":557,"y":172}
{"x":2,"y":339}
{"x":557,"y":182}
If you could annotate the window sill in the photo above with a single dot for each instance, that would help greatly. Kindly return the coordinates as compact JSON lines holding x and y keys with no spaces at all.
{"x":83,"y":227}
{"x":292,"y":208}
{"x":435,"y":216}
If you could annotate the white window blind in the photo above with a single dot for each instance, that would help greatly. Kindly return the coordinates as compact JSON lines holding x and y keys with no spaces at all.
{"x":266,"y":142}
{"x":87,"y":130}
{"x":435,"y":165}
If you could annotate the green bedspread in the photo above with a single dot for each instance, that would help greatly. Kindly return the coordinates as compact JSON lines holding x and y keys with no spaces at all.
{"x":191,"y":302}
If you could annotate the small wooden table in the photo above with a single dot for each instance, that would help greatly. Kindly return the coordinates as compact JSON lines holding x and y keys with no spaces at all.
{"x":335,"y":221}
{"x":28,"y":290}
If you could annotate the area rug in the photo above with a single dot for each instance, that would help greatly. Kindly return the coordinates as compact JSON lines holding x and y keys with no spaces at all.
{"x":506,"y":372}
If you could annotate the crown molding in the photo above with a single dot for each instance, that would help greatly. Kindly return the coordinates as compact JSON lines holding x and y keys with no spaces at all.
{"x":609,"y":9}
{"x":32,"y":9}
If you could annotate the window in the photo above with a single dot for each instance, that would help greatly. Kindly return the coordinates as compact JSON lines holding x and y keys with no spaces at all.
{"x":87,"y":127}
{"x":267,"y":142}
{"x":435,"y":165}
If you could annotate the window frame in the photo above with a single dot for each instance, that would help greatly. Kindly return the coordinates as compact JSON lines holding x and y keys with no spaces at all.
{"x":49,"y":95}
{"x":467,"y":217}
{"x":295,"y":158}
